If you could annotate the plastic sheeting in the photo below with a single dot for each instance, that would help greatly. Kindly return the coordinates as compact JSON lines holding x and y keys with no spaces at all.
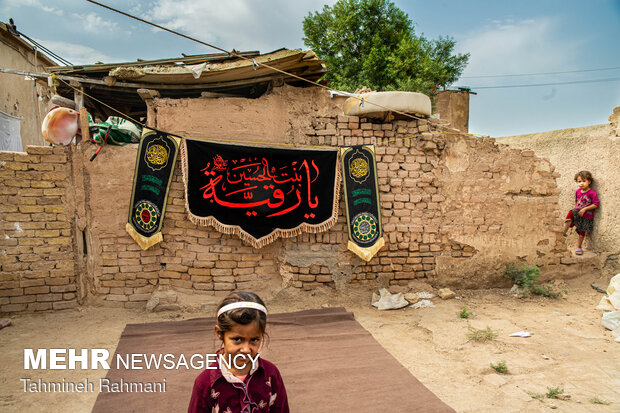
{"x":10,"y":137}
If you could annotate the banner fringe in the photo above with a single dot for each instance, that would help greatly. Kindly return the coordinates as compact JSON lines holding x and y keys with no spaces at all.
{"x":276,"y":233}
{"x":366,"y":253}
{"x":144,"y":242}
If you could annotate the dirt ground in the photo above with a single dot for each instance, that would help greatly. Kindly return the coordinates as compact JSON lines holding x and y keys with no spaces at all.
{"x":569,"y":349}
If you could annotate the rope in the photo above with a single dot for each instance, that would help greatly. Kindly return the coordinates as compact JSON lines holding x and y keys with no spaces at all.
{"x":250,"y":142}
{"x":98,"y":101}
{"x":253,"y":61}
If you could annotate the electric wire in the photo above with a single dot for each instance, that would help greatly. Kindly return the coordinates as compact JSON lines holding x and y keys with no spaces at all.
{"x":377,"y":143}
{"x":45,"y":49}
{"x":541,"y":73}
{"x":574,"y":82}
{"x":254,"y":62}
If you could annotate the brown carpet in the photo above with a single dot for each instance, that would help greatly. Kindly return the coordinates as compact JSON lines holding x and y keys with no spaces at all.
{"x":329,"y":363}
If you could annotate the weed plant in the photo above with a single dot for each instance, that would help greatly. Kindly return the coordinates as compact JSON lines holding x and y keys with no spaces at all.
{"x":500,"y":367}
{"x":536,"y":396}
{"x":482,"y":336}
{"x":554,"y":392}
{"x":544,"y":290}
{"x":596,"y":400}
{"x":526,"y":277}
{"x":464,"y":313}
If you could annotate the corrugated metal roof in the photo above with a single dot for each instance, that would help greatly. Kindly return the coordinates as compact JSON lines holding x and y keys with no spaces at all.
{"x":219,"y":69}
{"x":116,"y":84}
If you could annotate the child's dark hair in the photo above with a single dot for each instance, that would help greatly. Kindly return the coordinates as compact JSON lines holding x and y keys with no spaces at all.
{"x":585,"y":175}
{"x":241,"y":316}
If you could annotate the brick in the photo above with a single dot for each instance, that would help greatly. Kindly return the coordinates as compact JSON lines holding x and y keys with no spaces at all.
{"x":113,"y":283}
{"x":50,"y":233}
{"x":132,"y":268}
{"x":168,"y":274}
{"x":11,"y":292}
{"x":116,"y":297}
{"x":23,"y":299}
{"x":42,"y":184}
{"x":226,"y":264}
{"x":223,"y":286}
{"x":53,"y":191}
{"x":203,"y":286}
{"x":181,"y":283}
{"x":144,"y":289}
{"x":54,"y":159}
{"x":221,"y":271}
{"x":39,"y":150}
{"x":49,"y":297}
{"x":7,"y":155}
{"x":201,"y":278}
{"x":59,"y":241}
{"x":54,"y":209}
{"x":13,"y":308}
{"x":152,"y":275}
{"x":63,"y":288}
{"x":39,"y":306}
{"x":63,"y":305}
{"x":31,"y":283}
{"x":139,"y":297}
{"x":224,"y":279}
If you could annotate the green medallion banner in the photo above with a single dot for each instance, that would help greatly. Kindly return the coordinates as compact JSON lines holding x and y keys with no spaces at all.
{"x":361,"y":195}
{"x":157,"y":157}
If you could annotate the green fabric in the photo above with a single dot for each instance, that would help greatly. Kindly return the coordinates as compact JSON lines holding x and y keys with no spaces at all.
{"x":121,"y":133}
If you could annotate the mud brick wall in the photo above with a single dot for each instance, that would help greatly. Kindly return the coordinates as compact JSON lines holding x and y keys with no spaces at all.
{"x":455,"y":210}
{"x":37,"y":266}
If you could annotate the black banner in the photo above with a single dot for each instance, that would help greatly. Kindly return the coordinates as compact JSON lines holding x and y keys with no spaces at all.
{"x":260,"y":193}
{"x":361,"y":194}
{"x":155,"y":162}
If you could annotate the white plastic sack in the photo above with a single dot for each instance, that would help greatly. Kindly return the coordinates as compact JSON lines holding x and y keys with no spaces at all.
{"x":613,"y":291}
{"x":388,"y":301}
{"x":611,"y":320}
{"x":605,"y":305}
{"x":614,"y":284}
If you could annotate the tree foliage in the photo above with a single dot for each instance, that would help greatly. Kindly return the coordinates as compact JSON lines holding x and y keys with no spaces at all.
{"x":373,"y":43}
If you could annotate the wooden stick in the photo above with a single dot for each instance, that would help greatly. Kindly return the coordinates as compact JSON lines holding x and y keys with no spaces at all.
{"x":84,"y":125}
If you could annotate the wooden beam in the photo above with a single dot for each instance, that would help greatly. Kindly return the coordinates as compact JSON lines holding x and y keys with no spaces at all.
{"x":84,"y":125}
{"x":151,"y":116}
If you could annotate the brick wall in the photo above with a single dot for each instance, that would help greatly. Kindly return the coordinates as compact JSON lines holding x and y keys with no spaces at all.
{"x":36,"y":240}
{"x":456,"y":209}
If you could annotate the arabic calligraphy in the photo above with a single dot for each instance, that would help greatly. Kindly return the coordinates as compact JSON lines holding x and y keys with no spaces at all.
{"x":262,"y":188}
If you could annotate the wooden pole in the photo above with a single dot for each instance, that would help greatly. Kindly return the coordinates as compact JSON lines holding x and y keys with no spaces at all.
{"x":84,"y":125}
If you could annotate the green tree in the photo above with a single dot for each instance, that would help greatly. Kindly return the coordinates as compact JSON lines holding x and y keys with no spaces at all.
{"x":373,"y":43}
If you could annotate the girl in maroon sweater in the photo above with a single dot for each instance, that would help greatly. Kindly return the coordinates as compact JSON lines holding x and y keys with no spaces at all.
{"x":251,"y":384}
{"x":586,"y":201}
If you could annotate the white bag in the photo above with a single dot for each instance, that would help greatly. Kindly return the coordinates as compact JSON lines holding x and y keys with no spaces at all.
{"x":611,"y":320}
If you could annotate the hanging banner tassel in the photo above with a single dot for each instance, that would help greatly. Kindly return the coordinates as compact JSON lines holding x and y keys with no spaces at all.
{"x":155,"y":163}
{"x":260,"y":193}
{"x":361,"y":196}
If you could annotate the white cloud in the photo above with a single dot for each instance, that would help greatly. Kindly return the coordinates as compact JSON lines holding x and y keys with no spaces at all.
{"x":57,"y":12}
{"x":77,"y":54}
{"x":516,"y":47}
{"x":239,"y":24}
{"x":10,"y":5}
{"x":91,"y":22}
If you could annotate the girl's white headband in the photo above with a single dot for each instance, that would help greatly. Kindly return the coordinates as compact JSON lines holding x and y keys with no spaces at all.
{"x":242,"y":304}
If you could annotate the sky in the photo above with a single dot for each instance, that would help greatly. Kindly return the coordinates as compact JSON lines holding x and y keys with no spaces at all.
{"x":511,"y":43}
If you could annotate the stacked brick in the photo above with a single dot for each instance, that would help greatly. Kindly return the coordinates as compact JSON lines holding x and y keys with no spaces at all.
{"x":408,"y":192}
{"x":37,"y":262}
{"x":438,"y":191}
